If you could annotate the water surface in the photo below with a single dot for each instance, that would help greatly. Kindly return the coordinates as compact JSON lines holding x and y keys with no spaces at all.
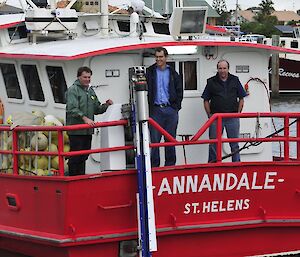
{"x":285,"y":104}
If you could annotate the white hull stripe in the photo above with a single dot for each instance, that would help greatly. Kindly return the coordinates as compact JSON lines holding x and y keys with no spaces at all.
{"x":20,"y":235}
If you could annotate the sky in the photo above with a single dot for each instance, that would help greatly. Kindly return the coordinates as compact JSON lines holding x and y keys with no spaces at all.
{"x":279,"y":5}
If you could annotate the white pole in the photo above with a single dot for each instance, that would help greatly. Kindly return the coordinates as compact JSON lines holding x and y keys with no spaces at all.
{"x":167,"y":8}
{"x":104,"y":17}
{"x":70,"y":4}
{"x":149,"y":189}
{"x":152,"y":12}
{"x":32,"y":4}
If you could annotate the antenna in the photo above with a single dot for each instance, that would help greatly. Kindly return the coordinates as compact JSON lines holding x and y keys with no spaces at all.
{"x":293,"y":4}
{"x":236,"y":12}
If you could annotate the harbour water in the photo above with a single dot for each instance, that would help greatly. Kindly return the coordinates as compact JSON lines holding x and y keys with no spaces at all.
{"x":285,"y":104}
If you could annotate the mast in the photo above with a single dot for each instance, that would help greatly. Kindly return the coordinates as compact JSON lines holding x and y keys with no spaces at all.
{"x":104,"y":17}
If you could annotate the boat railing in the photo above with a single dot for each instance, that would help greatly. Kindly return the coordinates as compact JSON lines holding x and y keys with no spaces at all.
{"x":13,"y":152}
{"x":275,"y":136}
{"x":10,"y":146}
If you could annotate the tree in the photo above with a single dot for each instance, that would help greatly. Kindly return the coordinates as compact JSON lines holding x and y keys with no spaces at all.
{"x":264,"y":21}
{"x":266,"y":7}
{"x":266,"y":28}
{"x":219,"y":6}
{"x":221,"y":9}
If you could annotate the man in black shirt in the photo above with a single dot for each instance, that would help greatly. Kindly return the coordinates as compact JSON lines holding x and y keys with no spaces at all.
{"x":224,"y":93}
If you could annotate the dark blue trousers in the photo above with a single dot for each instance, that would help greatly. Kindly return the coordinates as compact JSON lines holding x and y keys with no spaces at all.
{"x":77,"y":163}
{"x":232,"y":127}
{"x":167,"y":118}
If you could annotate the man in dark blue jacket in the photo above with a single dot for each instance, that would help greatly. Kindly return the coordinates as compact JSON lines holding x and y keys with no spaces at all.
{"x":165,"y":93}
{"x":224,"y":93}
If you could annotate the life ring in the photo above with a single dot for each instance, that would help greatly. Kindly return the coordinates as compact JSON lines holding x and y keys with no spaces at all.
{"x":1,"y":112}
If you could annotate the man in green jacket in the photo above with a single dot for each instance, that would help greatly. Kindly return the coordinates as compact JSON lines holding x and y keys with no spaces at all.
{"x":82,"y":105}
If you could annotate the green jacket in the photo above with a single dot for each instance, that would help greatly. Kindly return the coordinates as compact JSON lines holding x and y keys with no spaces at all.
{"x":82,"y":102}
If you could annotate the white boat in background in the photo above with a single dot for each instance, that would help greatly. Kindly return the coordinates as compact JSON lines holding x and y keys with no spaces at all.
{"x":288,"y":42}
{"x":122,"y":207}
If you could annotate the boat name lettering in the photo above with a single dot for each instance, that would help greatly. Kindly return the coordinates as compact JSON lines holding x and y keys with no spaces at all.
{"x":284,"y":73}
{"x":217,"y":206}
{"x":217,"y":182}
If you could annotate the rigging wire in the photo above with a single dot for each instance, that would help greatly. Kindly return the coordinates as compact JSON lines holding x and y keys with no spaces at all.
{"x":17,"y":26}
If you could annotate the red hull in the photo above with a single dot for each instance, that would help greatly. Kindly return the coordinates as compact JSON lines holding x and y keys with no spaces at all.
{"x":47,"y":221}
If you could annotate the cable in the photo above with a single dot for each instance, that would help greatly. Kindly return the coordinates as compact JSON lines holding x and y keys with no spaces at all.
{"x":245,"y":146}
{"x":269,"y":99}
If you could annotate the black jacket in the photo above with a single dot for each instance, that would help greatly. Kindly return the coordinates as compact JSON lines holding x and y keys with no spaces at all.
{"x":175,"y":88}
{"x":224,"y":99}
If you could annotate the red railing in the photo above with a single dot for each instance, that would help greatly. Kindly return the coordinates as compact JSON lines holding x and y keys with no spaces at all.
{"x":286,"y":138}
{"x":16,"y":152}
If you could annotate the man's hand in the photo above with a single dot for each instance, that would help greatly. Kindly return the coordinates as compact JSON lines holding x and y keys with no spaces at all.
{"x":88,"y":121}
{"x":109,"y":102}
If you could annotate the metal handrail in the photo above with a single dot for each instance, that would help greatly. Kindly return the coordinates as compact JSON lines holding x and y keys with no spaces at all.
{"x":217,"y":117}
{"x":15,"y":152}
{"x":171,"y":141}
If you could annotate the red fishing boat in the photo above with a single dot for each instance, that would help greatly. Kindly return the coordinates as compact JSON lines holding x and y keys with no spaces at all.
{"x":122,"y":207}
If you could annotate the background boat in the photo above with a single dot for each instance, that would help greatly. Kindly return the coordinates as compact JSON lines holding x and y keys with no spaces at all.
{"x":289,"y":64}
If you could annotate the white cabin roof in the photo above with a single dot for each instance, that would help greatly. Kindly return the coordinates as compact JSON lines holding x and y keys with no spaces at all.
{"x":84,"y":46}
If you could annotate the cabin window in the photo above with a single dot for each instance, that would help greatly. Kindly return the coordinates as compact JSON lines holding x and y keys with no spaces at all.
{"x":188,"y":72}
{"x":161,"y":28}
{"x":124,"y":26}
{"x":294,"y":44}
{"x":11,"y":81}
{"x":96,"y":3}
{"x":58,"y":83}
{"x":87,"y":3}
{"x":33,"y":83}
{"x":91,"y":3}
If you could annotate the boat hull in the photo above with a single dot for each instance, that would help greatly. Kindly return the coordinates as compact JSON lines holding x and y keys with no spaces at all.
{"x":80,"y":216}
{"x":289,"y":75}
